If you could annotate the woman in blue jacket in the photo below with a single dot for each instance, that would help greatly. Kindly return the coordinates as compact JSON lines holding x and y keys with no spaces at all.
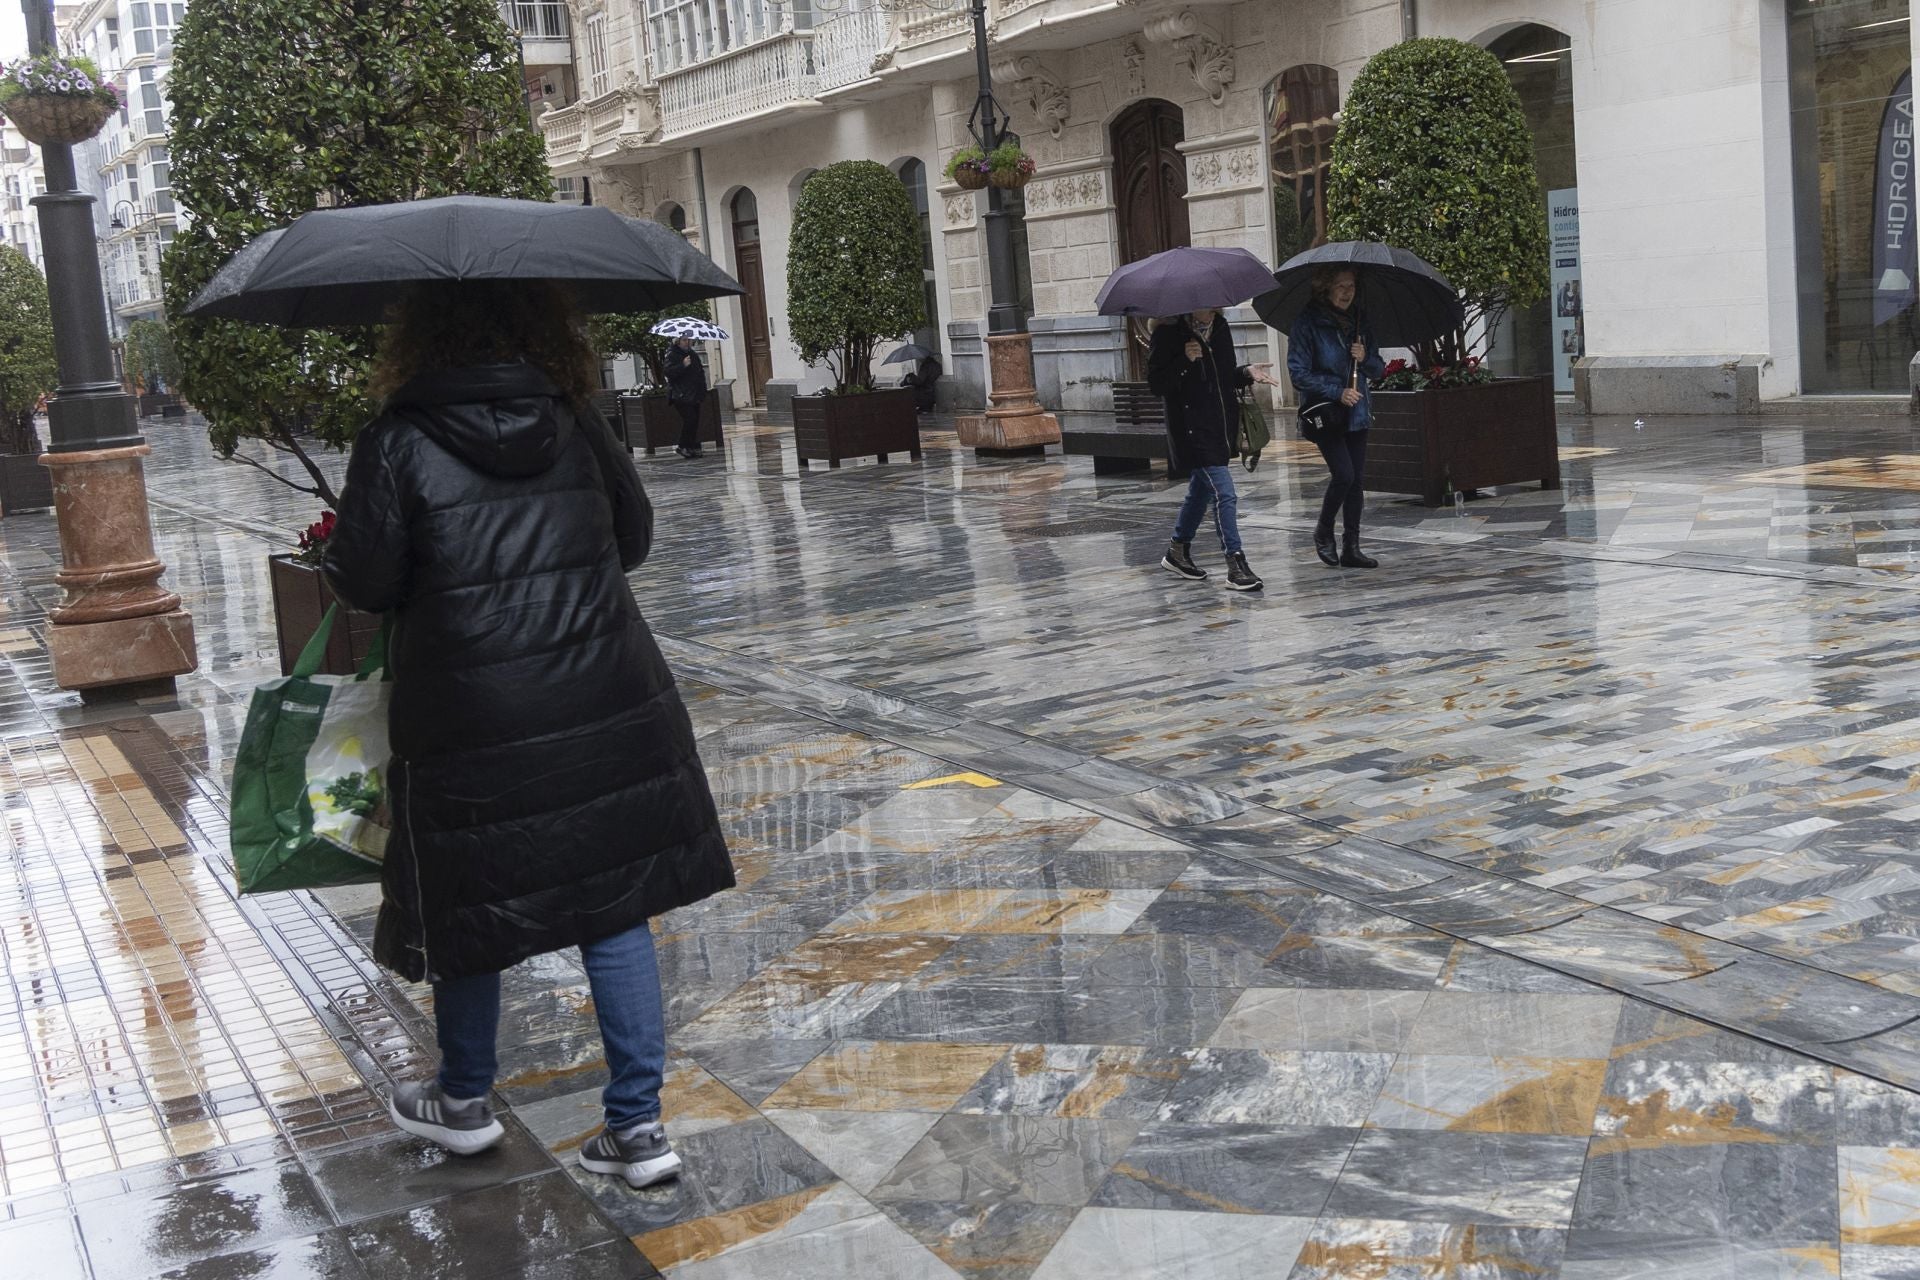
{"x":1325,"y":352}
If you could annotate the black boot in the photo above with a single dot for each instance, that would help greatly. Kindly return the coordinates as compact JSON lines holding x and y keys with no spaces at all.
{"x":1240,"y":576}
{"x":1324,"y":548}
{"x":1352,"y":557}
{"x":1179,"y":559}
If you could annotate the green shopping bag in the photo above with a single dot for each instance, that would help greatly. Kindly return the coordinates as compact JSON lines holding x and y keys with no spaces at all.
{"x":1255,"y":434}
{"x":309,"y":783}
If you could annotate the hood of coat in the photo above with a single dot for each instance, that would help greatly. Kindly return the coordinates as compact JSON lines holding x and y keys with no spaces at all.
{"x":502,"y":419}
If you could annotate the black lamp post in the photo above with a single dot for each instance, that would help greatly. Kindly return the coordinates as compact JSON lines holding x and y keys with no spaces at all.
{"x":1004,"y":312}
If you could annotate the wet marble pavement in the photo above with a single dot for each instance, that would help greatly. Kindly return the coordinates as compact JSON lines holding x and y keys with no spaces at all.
{"x":1089,"y":925}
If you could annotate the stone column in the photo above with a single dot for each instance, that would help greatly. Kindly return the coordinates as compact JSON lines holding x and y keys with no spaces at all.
{"x":1014,"y":420}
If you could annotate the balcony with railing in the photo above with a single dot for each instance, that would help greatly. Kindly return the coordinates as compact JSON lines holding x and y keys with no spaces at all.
{"x":740,"y":85}
{"x":543,"y":30}
{"x":846,"y":45}
{"x":614,"y":127}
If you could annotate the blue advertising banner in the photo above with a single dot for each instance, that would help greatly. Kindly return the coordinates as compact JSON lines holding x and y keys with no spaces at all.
{"x":1895,"y":265}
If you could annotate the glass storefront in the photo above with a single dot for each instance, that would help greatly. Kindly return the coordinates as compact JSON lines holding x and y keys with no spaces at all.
{"x":1548,"y":336}
{"x":1854,"y":192}
{"x":1301,"y":103}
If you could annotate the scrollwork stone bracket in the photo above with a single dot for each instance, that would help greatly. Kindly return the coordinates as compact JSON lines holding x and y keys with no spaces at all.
{"x":1201,"y":49}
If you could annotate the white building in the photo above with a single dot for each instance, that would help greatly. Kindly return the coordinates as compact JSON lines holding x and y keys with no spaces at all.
{"x":1731,"y":178}
{"x":21,"y":179}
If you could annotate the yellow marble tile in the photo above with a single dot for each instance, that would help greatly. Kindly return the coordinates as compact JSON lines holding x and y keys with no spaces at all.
{"x":1883,"y":471}
{"x":875,"y":958}
{"x":708,"y":1237}
{"x":921,"y":911}
{"x":690,"y":1092}
{"x":1879,"y":1196}
{"x":888,"y":1076}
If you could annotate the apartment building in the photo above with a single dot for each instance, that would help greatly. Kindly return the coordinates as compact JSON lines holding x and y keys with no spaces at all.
{"x":21,"y":179}
{"x":1729,"y":181}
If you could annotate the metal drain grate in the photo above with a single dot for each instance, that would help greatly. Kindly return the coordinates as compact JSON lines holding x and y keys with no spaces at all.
{"x":1079,"y":528}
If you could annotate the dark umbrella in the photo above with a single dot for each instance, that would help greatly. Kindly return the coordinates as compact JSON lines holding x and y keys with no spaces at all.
{"x":1403,"y":301}
{"x":1182,"y":280}
{"x":348,"y":266}
{"x":912,"y":353}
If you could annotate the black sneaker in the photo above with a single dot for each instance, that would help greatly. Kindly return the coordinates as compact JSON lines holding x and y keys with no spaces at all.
{"x":462,"y":1128}
{"x":1354,"y":558}
{"x":1179,"y":559}
{"x":1240,"y":577}
{"x":641,"y":1155}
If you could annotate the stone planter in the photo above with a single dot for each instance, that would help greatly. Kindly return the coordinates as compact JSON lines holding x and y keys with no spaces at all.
{"x":301,"y":597}
{"x":25,"y":485}
{"x":1501,"y":432}
{"x":651,"y":422}
{"x":836,"y":427}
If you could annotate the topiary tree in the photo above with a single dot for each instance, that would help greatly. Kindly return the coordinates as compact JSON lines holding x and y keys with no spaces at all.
{"x":623,"y":335}
{"x":281,"y":106}
{"x":27,"y":369}
{"x":150,"y":353}
{"x":1433,"y":155}
{"x":853,"y":269}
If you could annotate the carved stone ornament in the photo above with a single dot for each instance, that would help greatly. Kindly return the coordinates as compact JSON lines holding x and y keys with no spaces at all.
{"x":960,"y":210}
{"x":1134,"y":59}
{"x":883,"y":59}
{"x":1046,"y":90}
{"x":1204,"y":52}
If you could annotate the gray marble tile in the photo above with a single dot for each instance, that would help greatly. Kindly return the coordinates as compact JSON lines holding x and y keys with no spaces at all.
{"x":1748,"y":1191}
{"x":1280,"y":1018}
{"x":722,"y":1170}
{"x":1879,"y":1262}
{"x":1163,"y":1017}
{"x":1646,"y":1031}
{"x":1472,"y":967}
{"x":1246,"y":1086}
{"x":755,"y":1068}
{"x":1001,"y":1241}
{"x":1504,"y":1179}
{"x":500,"y":1230}
{"x":1228,"y":1168}
{"x":1500,"y":1023}
{"x":976,"y":1160}
{"x":1651,"y":1103}
{"x":1382,"y":1249}
{"x":1154,"y":1244}
{"x":1872,"y":1113}
{"x":1178,"y":960}
{"x":1077,"y":1081}
{"x":1607,"y":1256}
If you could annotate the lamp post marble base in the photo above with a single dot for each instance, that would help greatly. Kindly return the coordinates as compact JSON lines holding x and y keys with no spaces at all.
{"x":1014,"y":420}
{"x":117,"y":625}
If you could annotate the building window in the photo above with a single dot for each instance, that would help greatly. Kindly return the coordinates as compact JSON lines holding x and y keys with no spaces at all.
{"x":674,"y":217}
{"x":1301,"y":102}
{"x":597,"y":79}
{"x":684,"y":32}
{"x":913,"y":174}
{"x":1855,"y":222}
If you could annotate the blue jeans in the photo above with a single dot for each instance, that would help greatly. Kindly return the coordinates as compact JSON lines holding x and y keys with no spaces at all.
{"x":1210,"y":486}
{"x":633,"y":1030}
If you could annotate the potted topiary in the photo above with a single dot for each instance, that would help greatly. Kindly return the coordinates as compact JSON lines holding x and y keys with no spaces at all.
{"x":853,"y":281}
{"x":969,"y":168}
{"x":1009,"y":167}
{"x":27,"y":372}
{"x":1433,"y":154}
{"x":646,"y":420}
{"x":56,"y":99}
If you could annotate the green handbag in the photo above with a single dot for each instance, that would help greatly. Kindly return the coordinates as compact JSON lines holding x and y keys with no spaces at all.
{"x":309,"y":780}
{"x":1255,"y":434}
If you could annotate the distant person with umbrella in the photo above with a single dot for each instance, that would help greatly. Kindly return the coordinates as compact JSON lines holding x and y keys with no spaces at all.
{"x":1192,"y":366}
{"x":924,"y":376}
{"x":687,"y":376}
{"x":546,"y":788}
{"x":1330,"y":358}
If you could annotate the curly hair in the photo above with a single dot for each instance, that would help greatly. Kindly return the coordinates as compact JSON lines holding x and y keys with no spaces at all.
{"x":1323,"y":278}
{"x":469,"y":322}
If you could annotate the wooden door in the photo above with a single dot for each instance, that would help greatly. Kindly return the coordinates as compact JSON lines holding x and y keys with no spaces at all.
{"x":753,"y":305}
{"x":1150,"y":190}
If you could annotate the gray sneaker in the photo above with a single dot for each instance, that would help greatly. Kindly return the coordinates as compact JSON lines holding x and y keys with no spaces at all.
{"x":464,"y":1129}
{"x":641,"y":1155}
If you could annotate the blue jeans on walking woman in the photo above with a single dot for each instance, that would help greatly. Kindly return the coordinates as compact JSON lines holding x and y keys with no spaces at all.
{"x":1210,"y":486}
{"x":625,"y":978}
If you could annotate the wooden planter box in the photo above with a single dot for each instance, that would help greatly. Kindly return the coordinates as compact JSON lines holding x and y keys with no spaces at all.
{"x":25,"y":485}
{"x":300,"y":599}
{"x":1497,"y":433}
{"x":157,"y":404}
{"x":836,"y":427}
{"x":651,"y":422}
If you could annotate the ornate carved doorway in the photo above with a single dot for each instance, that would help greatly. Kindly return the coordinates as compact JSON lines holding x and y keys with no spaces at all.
{"x":1150,"y":189}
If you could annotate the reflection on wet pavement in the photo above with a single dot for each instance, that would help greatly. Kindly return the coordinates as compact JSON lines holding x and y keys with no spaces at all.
{"x":1089,"y":925}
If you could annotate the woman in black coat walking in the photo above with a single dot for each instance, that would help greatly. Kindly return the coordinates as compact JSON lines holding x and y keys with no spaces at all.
{"x":1191,"y":365}
{"x":545,"y":785}
{"x":686,"y":392}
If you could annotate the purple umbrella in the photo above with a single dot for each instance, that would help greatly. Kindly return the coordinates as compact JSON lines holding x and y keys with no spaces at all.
{"x":1182,"y":280}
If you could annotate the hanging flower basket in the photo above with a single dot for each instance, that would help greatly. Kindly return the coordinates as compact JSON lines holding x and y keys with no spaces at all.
{"x":968,"y":168}
{"x":969,"y":179}
{"x":1009,"y":180}
{"x":57,"y":101}
{"x":1009,"y":168}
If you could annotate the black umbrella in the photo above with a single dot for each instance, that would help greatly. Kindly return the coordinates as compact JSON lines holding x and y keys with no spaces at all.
{"x":1402,"y":301}
{"x":348,"y":266}
{"x":912,"y":353}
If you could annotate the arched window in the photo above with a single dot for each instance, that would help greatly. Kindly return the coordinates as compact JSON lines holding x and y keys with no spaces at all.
{"x":913,"y":176}
{"x":1301,"y":103}
{"x":674,"y":216}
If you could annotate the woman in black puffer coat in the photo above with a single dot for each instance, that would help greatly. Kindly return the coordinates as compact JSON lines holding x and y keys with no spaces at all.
{"x":546,"y":789}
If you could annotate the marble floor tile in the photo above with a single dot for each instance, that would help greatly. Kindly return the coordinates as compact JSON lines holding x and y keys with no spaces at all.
{"x":1472,"y":967}
{"x":1045,"y":960}
{"x":1152,"y":1244}
{"x":980,"y":1160}
{"x":143,"y":1233}
{"x":1780,"y":1192}
{"x":1872,"y":1113}
{"x":1162,"y":1017}
{"x":1068,"y":911}
{"x":921,"y":911}
{"x":502,"y":1230}
{"x":754,"y":1068}
{"x":1246,"y":1086}
{"x":1382,"y":1249}
{"x":1490,"y":1095}
{"x":861,"y":1147}
{"x":887,"y":1076}
{"x":1006,"y":1240}
{"x":1599,"y":1256}
{"x":1878,"y":1262}
{"x":1646,"y":1031}
{"x":1077,"y":1081}
{"x":1651,"y":1103}
{"x":1178,"y":960}
{"x":1502,"y":1179}
{"x":722,"y":1170}
{"x":814,"y":1245}
{"x":1501,"y":1024}
{"x":835,"y":960}
{"x":1280,"y":1018}
{"x":810,"y":1209}
{"x":1410,"y":961}
{"x":1225,"y":1168}
{"x":1880,"y":1196}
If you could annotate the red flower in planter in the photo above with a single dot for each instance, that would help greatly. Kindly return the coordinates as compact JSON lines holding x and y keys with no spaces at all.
{"x":313,"y":542}
{"x":1397,"y":366}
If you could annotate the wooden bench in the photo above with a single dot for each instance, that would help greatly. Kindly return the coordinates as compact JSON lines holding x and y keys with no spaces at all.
{"x":1138,"y":435}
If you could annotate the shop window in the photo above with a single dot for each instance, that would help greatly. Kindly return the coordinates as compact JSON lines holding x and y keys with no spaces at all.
{"x":1301,"y":103}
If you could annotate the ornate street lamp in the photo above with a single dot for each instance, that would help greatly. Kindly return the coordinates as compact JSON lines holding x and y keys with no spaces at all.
{"x":117,"y":627}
